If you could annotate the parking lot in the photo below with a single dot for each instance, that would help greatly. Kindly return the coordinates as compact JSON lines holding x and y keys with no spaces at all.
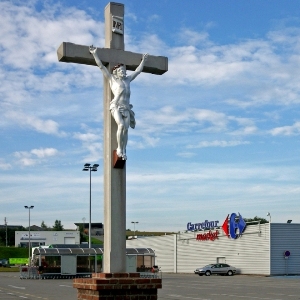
{"x":242,"y":287}
{"x":175,"y":286}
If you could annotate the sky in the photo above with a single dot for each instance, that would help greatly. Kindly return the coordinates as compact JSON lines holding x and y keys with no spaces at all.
{"x":216,"y":134}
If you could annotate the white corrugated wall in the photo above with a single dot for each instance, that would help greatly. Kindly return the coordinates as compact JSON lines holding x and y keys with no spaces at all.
{"x":249,"y":253}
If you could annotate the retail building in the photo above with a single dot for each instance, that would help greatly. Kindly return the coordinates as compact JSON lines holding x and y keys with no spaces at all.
{"x":265,"y":249}
{"x":42,"y":238}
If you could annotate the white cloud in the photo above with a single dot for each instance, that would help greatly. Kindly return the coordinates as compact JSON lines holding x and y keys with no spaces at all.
{"x":90,"y":142}
{"x":29,"y":40}
{"x":175,"y":120}
{"x":190,"y":37}
{"x":27,"y":162}
{"x":30,"y":121}
{"x":258,"y":71}
{"x":35,"y":156}
{"x":38,"y":34}
{"x":146,"y":141}
{"x":95,"y":152}
{"x":216,"y":64}
{"x":287,"y":130}
{"x":131,"y":16}
{"x":205,"y":144}
{"x":86,"y":137}
{"x":223,"y":172}
{"x":186,"y":154}
{"x":4,"y":165}
{"x":44,"y":152}
{"x":151,"y":44}
{"x":247,"y":130}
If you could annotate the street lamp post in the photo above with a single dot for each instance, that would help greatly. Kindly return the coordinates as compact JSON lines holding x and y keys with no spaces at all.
{"x":88,"y":167}
{"x":83,"y":220}
{"x":269,"y":215}
{"x":29,"y":254}
{"x":5,"y":223}
{"x":134,"y":227}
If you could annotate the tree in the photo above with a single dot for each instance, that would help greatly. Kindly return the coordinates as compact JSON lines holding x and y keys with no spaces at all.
{"x":57,"y":226}
{"x":256,"y":219}
{"x":10,"y":236}
{"x":44,"y":226}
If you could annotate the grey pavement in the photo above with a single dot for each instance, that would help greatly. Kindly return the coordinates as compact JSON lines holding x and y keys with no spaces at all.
{"x":239,"y":287}
{"x":175,"y":286}
{"x":12,"y":287}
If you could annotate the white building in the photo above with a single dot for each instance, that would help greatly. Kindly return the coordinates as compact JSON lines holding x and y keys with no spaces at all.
{"x":266,"y":249}
{"x":42,"y":238}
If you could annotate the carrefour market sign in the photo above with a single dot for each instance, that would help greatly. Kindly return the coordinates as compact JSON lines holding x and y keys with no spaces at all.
{"x":204,"y":225}
{"x":233,"y":226}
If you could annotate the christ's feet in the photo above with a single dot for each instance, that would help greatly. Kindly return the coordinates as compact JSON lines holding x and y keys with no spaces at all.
{"x":119,"y":152}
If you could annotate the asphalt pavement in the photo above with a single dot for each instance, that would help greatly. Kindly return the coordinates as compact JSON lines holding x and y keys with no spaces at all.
{"x":175,"y":286}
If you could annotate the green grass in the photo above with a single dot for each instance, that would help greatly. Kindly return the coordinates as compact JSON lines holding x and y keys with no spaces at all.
{"x":12,"y":269}
{"x":96,"y":241}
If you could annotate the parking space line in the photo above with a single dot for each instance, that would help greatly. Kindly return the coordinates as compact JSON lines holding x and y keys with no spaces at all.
{"x":64,"y":285}
{"x":245,"y":297}
{"x":17,"y":287}
{"x":186,"y":297}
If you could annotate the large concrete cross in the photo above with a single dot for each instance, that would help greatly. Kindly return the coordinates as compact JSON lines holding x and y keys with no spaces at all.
{"x":114,"y":178}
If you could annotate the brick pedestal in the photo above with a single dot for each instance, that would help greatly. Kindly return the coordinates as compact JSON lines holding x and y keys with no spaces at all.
{"x":117,"y":286}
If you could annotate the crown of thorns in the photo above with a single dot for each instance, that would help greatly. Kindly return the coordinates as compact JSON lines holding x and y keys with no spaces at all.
{"x":117,"y":66}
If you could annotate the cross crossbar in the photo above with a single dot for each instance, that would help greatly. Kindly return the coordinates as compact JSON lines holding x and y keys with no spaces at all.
{"x":73,"y":53}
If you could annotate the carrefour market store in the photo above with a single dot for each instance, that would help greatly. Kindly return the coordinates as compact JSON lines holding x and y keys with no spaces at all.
{"x":265,"y":249}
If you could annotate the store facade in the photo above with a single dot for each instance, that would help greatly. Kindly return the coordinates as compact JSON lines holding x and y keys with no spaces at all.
{"x":43,"y":238}
{"x":264,"y":249}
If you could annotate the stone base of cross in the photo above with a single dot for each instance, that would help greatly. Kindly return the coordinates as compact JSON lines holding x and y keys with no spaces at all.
{"x":109,"y":286}
{"x":114,"y":171}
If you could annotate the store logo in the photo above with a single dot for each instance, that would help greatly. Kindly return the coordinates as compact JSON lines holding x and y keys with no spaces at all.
{"x":204,"y":225}
{"x":207,"y":236}
{"x":234,"y":225}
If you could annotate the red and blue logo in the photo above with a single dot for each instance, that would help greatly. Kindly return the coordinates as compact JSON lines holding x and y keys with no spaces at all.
{"x":234,"y":225}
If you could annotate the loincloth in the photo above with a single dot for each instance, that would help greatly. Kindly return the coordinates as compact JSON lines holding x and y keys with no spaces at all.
{"x":113,"y":106}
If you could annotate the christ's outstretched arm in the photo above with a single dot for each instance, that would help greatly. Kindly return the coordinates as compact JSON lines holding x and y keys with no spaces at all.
{"x":139,"y":69}
{"x":93,"y":51}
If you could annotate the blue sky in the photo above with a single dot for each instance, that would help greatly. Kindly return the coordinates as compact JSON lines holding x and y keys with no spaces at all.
{"x":218,"y":133}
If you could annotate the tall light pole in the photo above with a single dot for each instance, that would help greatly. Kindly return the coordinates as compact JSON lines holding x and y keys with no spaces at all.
{"x":29,"y":254}
{"x":83,"y":220}
{"x":269,"y":215}
{"x":88,"y":167}
{"x":134,"y":227}
{"x":5,"y":223}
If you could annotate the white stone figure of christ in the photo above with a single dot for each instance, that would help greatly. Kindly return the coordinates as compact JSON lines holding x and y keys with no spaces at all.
{"x":120,"y":106}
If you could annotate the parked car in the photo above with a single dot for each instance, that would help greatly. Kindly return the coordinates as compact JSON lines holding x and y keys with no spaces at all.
{"x":220,"y":269}
{"x":4,"y":262}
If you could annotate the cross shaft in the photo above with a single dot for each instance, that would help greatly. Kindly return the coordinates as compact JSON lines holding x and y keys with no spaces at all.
{"x":114,"y":178}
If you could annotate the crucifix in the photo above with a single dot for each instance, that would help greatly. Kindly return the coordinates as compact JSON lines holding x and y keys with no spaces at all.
{"x":114,"y":161}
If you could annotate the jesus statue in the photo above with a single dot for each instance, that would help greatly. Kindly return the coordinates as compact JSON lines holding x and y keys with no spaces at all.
{"x":120,"y":106}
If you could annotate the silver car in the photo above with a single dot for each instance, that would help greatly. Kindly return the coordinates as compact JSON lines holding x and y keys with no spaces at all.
{"x":220,"y":269}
